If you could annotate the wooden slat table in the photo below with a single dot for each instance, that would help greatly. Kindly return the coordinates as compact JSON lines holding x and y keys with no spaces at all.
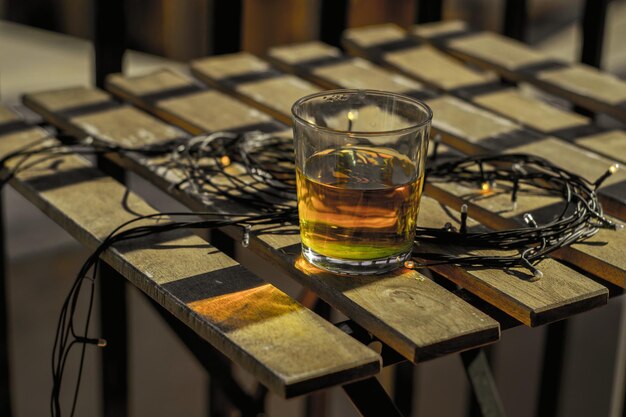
{"x":250,"y":321}
{"x":449,"y":325}
{"x":531,"y":303}
{"x":283,"y":344}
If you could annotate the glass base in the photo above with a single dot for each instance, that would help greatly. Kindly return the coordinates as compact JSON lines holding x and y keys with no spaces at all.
{"x":355,"y":267}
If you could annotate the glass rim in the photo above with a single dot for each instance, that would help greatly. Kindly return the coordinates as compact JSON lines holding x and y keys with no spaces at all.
{"x":416,"y":126}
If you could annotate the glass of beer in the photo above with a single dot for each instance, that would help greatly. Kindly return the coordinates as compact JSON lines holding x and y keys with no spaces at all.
{"x":360,"y":158}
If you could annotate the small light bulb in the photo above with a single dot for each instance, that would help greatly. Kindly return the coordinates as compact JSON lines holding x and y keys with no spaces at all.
{"x":245,"y":242}
{"x":409,"y":264}
{"x":612,"y":170}
{"x":530,"y":220}
{"x":485,"y":187}
{"x":225,"y":160}
{"x":352,"y":115}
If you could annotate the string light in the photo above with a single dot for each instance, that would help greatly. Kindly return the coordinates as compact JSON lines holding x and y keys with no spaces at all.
{"x":464,"y":218}
{"x":530,"y":220}
{"x":352,"y":116}
{"x":612,"y":170}
{"x":517,"y":168}
{"x":245,"y":242}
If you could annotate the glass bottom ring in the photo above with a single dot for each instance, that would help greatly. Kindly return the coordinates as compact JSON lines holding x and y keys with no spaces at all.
{"x":355,"y":267}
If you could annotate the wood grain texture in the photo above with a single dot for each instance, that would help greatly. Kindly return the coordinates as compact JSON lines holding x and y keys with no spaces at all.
{"x":253,"y":323}
{"x":615,"y":140}
{"x":530,"y":111}
{"x":447,"y":74}
{"x":349,"y":72}
{"x":436,"y":69}
{"x":501,"y":289}
{"x":187,"y":104}
{"x":220,"y":71}
{"x":473,"y":130}
{"x":419,"y":335}
{"x":581,"y":84}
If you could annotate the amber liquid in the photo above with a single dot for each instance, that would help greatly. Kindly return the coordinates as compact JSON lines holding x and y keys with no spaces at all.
{"x":358,"y":203}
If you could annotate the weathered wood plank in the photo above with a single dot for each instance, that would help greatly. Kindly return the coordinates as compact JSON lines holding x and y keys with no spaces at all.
{"x":391,"y":46}
{"x":235,"y":74}
{"x":387,"y":306}
{"x":531,"y":303}
{"x":581,"y":84}
{"x":464,"y":125}
{"x":253,"y":323}
{"x":615,"y":140}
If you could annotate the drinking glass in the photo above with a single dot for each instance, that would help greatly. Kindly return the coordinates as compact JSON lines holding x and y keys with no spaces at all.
{"x":360,"y":158}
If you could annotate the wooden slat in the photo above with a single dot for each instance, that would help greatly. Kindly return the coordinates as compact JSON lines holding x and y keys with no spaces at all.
{"x":581,"y":84}
{"x":615,"y":140}
{"x":388,"y":306}
{"x":391,"y":46}
{"x":289,"y":348}
{"x":531,"y":303}
{"x":463,"y":125}
{"x":252,"y":83}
